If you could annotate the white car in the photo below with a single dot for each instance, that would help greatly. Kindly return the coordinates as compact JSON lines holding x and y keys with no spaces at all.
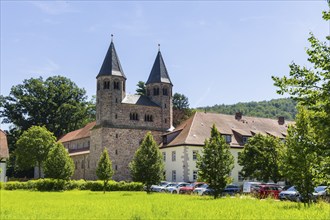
{"x":174,"y":188}
{"x":200,"y":190}
{"x":160,"y":187}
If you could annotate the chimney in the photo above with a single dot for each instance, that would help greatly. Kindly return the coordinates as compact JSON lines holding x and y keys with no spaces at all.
{"x":238,"y":115}
{"x":281,"y":120}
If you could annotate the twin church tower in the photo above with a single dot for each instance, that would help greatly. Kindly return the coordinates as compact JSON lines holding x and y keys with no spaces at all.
{"x":122,"y":120}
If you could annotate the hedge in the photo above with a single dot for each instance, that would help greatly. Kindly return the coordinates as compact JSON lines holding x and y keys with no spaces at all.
{"x":61,"y":185}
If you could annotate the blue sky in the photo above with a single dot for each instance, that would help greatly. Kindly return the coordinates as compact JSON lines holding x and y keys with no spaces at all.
{"x":215,"y":52}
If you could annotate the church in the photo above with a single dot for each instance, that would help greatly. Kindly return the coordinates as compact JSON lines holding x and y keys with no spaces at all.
{"x":122,"y":120}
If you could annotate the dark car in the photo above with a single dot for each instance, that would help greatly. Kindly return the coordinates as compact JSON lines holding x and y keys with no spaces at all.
{"x":267,"y":190}
{"x":231,"y":190}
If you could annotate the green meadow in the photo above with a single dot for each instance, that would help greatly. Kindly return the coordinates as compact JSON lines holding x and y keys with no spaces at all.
{"x":138,"y":205}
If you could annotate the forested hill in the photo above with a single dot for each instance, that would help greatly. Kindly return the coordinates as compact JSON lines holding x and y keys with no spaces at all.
{"x":266,"y":109}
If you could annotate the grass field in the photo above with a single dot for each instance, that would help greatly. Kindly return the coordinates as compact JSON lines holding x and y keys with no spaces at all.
{"x":139,"y":205}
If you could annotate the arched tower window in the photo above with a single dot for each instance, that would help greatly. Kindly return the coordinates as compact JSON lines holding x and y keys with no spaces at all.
{"x":116,"y":85}
{"x":98,"y":86}
{"x":165,"y":91}
{"x":156,"y":91}
{"x":106,"y":85}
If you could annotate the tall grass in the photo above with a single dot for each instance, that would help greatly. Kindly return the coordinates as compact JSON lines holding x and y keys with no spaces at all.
{"x":138,"y":205}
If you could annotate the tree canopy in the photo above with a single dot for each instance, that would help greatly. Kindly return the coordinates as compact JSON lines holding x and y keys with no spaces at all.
{"x":141,"y":88}
{"x":216,"y":162}
{"x":274,"y":108}
{"x":311,"y":87}
{"x":147,"y":165}
{"x":56,"y":103}
{"x":33,"y":147}
{"x":58,"y":164}
{"x":261,"y":158}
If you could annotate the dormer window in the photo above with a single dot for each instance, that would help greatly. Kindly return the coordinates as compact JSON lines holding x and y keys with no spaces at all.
{"x":227,"y":138}
{"x":245,"y":139}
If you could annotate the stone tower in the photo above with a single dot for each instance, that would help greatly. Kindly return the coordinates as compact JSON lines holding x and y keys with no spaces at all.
{"x":159,"y":90}
{"x":111,"y":82}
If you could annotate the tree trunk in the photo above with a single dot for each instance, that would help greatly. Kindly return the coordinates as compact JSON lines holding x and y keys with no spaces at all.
{"x":39,"y":170}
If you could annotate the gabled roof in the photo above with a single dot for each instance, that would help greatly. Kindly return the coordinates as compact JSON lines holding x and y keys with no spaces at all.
{"x":4,"y":152}
{"x":158,"y":72}
{"x":78,"y":134}
{"x":197,"y":128}
{"x":139,"y":100}
{"x":111,"y":64}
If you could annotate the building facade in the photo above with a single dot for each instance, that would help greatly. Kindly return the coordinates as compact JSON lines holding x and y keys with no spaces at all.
{"x":181,"y":146}
{"x":122,"y":120}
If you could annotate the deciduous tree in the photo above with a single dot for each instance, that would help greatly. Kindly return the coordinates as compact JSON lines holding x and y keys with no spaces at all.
{"x":58,"y":164}
{"x":56,"y":103}
{"x":311,"y":87}
{"x":104,"y":169}
{"x":33,"y":147}
{"x":216,"y":162}
{"x":147,"y":165}
{"x":261,"y":158}
{"x":300,"y":160}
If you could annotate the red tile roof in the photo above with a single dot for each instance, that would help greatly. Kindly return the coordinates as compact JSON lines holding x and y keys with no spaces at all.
{"x":78,"y":134}
{"x":4,"y":152}
{"x":197,"y":128}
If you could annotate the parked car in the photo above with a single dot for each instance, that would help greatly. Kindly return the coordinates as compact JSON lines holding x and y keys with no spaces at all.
{"x":200,"y":190}
{"x":231,"y":190}
{"x":174,"y":189}
{"x":160,"y":187}
{"x":293,"y":195}
{"x":190,"y":188}
{"x":208,"y":191}
{"x":250,"y":187}
{"x":289,"y":194}
{"x":267,"y":190}
{"x":321,"y":192}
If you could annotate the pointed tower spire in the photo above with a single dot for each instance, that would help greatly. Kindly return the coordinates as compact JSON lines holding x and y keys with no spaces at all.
{"x":158,"y":72}
{"x":111,"y":64}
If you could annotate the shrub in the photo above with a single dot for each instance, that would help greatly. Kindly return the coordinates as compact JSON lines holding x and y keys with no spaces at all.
{"x":61,"y":185}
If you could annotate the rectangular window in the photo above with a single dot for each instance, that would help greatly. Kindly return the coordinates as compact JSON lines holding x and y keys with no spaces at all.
{"x":164,"y":156}
{"x":194,"y":156}
{"x":195,"y":172}
{"x":173,"y":156}
{"x":173,"y":175}
{"x":240,"y":177}
{"x":228,"y":138}
{"x":245,"y":139}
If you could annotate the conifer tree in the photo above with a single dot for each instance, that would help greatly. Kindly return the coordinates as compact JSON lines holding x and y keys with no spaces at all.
{"x":58,"y":164}
{"x":104,"y":169}
{"x":216,"y":162}
{"x":147,"y":165}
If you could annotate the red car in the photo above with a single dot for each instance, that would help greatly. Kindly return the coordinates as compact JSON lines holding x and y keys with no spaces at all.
{"x":190,"y":188}
{"x":266,"y":190}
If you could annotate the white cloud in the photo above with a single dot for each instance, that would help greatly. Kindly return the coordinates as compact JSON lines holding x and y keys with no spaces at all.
{"x":54,"y":7}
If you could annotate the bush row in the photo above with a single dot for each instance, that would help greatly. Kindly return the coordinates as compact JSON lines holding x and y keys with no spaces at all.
{"x":61,"y":185}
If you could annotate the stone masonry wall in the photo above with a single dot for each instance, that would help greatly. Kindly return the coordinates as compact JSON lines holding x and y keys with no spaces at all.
{"x":121,"y":145}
